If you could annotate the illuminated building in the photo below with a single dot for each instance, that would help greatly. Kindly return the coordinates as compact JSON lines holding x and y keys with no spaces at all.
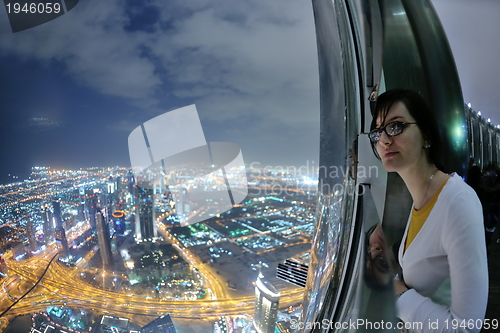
{"x":131,"y":182}
{"x":145,"y":227}
{"x":81,"y":212}
{"x":59,"y":232}
{"x":60,"y":235}
{"x":162,"y":324}
{"x":56,"y":205}
{"x":182,"y":205}
{"x":114,"y":324}
{"x":48,"y":224}
{"x":70,"y":222}
{"x":118,"y":188}
{"x":104,"y":199}
{"x":118,"y":217}
{"x":81,"y":206}
{"x":30,"y":230}
{"x":111,"y":185}
{"x":113,"y":190}
{"x":266,"y":305}
{"x":293,"y":272}
{"x":104,"y":240}
{"x":92,"y":212}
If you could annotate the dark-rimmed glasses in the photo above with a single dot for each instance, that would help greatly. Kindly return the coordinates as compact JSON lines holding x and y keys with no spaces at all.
{"x":391,"y":129}
{"x":379,"y":262}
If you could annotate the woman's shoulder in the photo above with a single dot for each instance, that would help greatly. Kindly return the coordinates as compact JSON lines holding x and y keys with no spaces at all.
{"x":459,"y":200}
{"x":460,"y":217}
{"x":456,"y":187}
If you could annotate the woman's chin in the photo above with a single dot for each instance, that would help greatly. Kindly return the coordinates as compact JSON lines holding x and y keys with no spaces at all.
{"x":389,"y":166}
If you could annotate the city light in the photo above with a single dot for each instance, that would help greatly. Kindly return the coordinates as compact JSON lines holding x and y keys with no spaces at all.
{"x":179,"y":264}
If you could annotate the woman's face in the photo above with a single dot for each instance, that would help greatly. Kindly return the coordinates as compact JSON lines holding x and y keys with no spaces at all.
{"x":377,"y":242}
{"x":378,"y":261}
{"x":404,"y":150}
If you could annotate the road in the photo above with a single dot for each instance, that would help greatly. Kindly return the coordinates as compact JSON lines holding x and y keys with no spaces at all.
{"x":60,"y":287}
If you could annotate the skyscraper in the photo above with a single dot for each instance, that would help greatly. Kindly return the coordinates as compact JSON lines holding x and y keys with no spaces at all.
{"x":81,"y":206}
{"x":59,"y":232}
{"x":145,"y":227}
{"x":266,"y":305}
{"x":30,"y":230}
{"x":48,"y":224}
{"x":92,"y":212}
{"x":104,"y":240}
{"x":113,"y":190}
{"x":111,"y":186}
{"x":81,"y":212}
{"x":182,"y":205}
{"x":60,"y":235}
{"x":56,"y":206}
{"x":131,"y":182}
{"x":118,"y":189}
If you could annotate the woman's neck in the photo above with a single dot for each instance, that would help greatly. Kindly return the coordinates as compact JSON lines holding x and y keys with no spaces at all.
{"x":422,"y":182}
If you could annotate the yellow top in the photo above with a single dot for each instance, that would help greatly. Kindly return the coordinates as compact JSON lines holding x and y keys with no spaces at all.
{"x":418,"y":217}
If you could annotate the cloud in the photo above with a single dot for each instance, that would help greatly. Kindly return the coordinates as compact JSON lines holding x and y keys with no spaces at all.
{"x":123,"y":125}
{"x":253,"y":57}
{"x":94,"y":49}
{"x":250,"y":67}
{"x":256,"y":58}
{"x":472,"y":29}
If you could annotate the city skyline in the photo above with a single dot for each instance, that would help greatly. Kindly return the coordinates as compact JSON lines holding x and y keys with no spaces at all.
{"x":205,"y":268}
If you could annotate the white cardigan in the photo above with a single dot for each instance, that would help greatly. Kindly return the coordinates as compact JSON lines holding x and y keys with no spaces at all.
{"x":445,"y":265}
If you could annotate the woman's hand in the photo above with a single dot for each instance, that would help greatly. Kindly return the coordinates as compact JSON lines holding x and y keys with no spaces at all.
{"x":399,"y":287}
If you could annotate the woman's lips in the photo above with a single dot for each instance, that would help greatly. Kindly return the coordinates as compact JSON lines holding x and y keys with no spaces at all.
{"x":390,"y":153}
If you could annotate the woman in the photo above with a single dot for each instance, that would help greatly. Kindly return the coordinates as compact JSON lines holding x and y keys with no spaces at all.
{"x":444,"y":283}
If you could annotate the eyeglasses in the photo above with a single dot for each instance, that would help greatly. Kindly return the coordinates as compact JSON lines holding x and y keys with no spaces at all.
{"x":391,"y":129}
{"x":379,"y":262}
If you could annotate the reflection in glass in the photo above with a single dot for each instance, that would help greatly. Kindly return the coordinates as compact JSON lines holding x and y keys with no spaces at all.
{"x":378,"y":273}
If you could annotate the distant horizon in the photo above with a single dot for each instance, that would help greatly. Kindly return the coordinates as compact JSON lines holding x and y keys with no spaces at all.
{"x":7,"y":179}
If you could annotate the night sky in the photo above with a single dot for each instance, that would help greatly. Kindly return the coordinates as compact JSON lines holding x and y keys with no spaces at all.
{"x":105,"y":67}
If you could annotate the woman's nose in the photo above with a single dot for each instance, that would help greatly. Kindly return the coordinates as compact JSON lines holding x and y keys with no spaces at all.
{"x":384,"y":138}
{"x":375,"y":247}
